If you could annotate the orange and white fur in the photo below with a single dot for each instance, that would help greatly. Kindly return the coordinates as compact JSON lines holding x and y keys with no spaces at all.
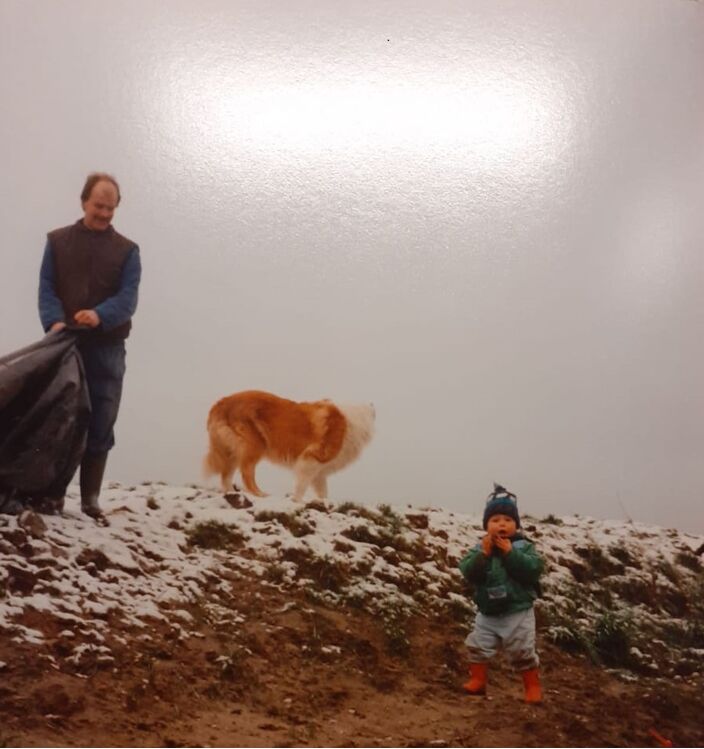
{"x":314,"y":439}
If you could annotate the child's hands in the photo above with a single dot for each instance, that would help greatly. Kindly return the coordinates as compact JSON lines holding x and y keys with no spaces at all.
{"x":487,"y":543}
{"x":502,"y":544}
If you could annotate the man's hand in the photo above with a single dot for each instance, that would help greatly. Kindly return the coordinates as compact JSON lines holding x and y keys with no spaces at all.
{"x":502,"y":544}
{"x":57,"y":326}
{"x":487,"y":543}
{"x":87,"y":317}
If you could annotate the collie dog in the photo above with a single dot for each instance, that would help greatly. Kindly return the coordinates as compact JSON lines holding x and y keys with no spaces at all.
{"x":314,"y":439}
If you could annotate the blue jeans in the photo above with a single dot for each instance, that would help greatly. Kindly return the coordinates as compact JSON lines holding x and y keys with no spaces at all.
{"x":105,"y":369}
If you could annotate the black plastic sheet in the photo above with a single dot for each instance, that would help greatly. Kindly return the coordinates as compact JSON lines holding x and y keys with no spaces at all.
{"x":44,"y":413}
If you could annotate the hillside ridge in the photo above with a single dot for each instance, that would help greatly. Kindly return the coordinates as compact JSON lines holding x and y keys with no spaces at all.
{"x":224,"y":590}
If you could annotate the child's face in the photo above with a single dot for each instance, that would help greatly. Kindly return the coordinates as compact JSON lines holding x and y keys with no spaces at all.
{"x":501,"y":525}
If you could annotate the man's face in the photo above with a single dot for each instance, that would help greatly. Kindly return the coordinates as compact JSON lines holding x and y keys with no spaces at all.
{"x":501,"y":525}
{"x":100,"y":206}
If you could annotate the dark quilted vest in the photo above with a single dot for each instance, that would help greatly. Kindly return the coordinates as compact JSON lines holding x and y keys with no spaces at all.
{"x":87,"y":270}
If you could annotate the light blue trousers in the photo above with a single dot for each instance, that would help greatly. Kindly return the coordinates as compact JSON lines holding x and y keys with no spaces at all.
{"x":514,"y":633}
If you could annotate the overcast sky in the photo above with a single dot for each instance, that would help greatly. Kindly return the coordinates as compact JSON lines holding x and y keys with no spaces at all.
{"x":483,"y":216}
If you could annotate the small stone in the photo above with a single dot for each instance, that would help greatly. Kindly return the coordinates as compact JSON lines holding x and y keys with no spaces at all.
{"x":32,"y":524}
{"x":20,"y":580}
{"x":93,"y":559}
{"x":419,"y":521}
{"x":238,"y":501}
{"x":16,"y":536}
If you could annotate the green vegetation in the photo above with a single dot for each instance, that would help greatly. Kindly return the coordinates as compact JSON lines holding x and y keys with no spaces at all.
{"x":213,"y":534}
{"x":394,"y":619}
{"x":293,"y":522}
{"x":608,"y":642}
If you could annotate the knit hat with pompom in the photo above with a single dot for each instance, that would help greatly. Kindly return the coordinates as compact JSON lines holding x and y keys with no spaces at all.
{"x":501,"y":502}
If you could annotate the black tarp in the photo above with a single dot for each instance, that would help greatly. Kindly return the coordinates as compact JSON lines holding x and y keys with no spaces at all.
{"x":44,"y":413}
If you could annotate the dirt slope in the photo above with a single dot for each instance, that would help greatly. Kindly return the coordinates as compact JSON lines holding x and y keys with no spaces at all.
{"x":299,"y":673}
{"x":195,"y":621}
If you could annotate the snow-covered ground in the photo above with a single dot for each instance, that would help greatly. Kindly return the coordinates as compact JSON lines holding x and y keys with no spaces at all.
{"x":167,"y":548}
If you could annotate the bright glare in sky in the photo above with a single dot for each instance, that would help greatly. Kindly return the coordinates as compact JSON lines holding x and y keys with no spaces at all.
{"x":489,"y":119}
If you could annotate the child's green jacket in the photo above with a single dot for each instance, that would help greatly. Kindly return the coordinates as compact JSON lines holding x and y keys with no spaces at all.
{"x":504,"y":584}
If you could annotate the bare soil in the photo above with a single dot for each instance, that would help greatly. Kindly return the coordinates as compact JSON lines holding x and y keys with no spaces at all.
{"x":299,"y":673}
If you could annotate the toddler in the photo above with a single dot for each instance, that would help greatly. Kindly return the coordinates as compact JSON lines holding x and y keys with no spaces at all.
{"x":504,"y":569}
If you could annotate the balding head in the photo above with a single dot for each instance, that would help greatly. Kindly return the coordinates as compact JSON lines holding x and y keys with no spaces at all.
{"x":100,"y":197}
{"x":94,"y":179}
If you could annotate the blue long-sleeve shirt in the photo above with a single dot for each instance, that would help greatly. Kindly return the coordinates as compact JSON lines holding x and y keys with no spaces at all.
{"x":112,"y":312}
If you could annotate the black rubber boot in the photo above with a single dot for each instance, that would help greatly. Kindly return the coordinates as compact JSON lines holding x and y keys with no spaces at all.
{"x":92,"y":470}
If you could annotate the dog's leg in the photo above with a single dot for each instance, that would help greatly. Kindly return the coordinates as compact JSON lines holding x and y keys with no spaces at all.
{"x":250,"y":450}
{"x":222,"y":454}
{"x":305,"y":470}
{"x":320,"y":486}
{"x":228,"y":465}
{"x":226,"y":481}
{"x":250,"y":482}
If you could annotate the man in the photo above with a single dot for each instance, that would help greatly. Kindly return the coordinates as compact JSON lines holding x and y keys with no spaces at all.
{"x":90,"y":278}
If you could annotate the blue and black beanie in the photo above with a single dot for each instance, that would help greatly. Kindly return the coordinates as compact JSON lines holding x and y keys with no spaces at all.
{"x":501,"y":502}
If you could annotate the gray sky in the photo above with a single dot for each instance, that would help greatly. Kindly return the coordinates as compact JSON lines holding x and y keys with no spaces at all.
{"x":485,"y":217}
